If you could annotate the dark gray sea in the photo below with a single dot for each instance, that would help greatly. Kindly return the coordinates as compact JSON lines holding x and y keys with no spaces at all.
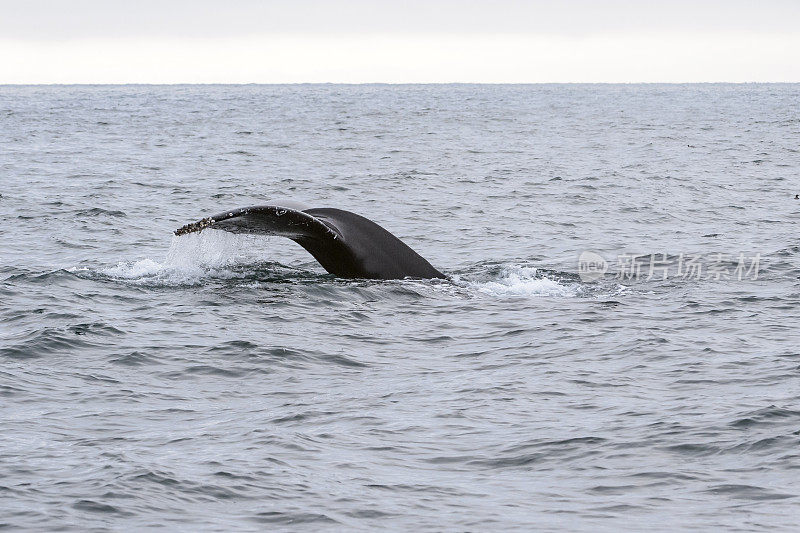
{"x":617,"y":346}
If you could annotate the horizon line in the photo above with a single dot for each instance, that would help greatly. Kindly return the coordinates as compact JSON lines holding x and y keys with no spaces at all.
{"x":243,"y":84}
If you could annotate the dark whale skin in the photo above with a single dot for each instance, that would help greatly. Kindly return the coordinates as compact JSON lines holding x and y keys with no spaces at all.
{"x":344,"y":243}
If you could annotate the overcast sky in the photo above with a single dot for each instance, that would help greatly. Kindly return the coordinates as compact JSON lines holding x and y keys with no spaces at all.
{"x":249,"y":41}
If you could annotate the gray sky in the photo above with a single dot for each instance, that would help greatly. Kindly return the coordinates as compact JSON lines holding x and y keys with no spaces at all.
{"x":239,"y":41}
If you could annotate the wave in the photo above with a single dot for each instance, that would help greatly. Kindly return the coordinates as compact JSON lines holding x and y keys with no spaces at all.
{"x":51,"y":340}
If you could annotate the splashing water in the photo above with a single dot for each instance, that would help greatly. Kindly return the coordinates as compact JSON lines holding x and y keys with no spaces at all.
{"x":525,"y":281}
{"x":213,"y":254}
{"x":520,"y":281}
{"x":208,"y":254}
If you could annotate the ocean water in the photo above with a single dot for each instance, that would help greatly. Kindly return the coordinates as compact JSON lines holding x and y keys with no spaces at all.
{"x":220,"y":382}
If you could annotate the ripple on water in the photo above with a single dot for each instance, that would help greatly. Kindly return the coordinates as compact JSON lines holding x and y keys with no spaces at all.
{"x":58,"y":340}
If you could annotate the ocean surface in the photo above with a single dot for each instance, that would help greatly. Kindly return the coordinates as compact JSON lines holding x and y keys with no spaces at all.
{"x":617,"y":345}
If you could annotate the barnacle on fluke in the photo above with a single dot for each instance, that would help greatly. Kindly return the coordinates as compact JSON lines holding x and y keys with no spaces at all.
{"x":195,"y":226}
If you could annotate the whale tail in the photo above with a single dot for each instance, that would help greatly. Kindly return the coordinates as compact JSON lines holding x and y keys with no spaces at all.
{"x":344,"y":243}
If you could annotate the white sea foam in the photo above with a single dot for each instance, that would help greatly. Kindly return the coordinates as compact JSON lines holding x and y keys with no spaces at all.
{"x":522,"y":281}
{"x":190,"y":258}
{"x":135,"y":269}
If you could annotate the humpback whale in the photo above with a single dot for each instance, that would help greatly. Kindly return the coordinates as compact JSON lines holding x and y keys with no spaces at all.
{"x":344,"y":243}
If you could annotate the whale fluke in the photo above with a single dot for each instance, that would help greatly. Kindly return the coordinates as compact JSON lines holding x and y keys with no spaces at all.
{"x":345,"y":244}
